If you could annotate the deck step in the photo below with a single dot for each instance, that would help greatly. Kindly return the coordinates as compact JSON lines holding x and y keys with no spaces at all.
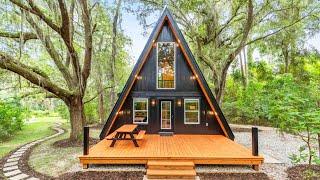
{"x":169,"y":169}
{"x":170,"y":165}
{"x":171,"y":174}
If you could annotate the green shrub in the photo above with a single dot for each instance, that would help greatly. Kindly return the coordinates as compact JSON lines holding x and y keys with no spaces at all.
{"x":90,"y":110}
{"x":11,"y":119}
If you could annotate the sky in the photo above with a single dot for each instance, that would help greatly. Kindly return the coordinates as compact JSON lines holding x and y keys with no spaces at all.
{"x":134,"y":31}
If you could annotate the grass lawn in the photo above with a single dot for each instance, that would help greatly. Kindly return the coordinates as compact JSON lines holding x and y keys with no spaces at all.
{"x":38,"y":128}
{"x":53,"y":161}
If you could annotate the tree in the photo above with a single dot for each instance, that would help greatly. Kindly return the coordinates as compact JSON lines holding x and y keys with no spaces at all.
{"x":112,"y":62}
{"x":53,"y":24}
{"x":219,"y":30}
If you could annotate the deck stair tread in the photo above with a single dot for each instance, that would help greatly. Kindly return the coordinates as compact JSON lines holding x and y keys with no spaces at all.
{"x":167,"y":169}
{"x":170,"y":165}
{"x":165,"y":172}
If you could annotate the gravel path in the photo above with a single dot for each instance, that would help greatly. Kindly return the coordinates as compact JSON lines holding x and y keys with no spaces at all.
{"x":274,"y":146}
{"x":11,"y":168}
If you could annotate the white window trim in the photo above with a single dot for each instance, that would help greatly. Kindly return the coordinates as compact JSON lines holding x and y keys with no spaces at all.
{"x":169,"y":116}
{"x":174,"y":66}
{"x":184,"y":110}
{"x":133,"y":110}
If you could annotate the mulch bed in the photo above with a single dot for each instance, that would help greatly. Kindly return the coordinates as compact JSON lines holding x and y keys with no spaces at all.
{"x":233,"y":176}
{"x":300,"y":172}
{"x":24,"y":166}
{"x":64,"y":143}
{"x":96,"y":175}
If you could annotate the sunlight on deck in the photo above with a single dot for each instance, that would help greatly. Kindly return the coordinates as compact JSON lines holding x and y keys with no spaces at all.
{"x":201,"y":149}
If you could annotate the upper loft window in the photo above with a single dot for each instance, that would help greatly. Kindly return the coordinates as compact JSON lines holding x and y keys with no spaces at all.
{"x":165,"y":65}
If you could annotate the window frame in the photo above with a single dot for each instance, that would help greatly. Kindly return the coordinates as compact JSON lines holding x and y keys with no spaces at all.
{"x":133,"y":110}
{"x":184,"y":110}
{"x":174,"y":65}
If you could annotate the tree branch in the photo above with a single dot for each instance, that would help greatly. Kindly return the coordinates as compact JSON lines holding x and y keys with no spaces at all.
{"x":95,"y":96}
{"x":7,"y":62}
{"x":36,"y":11}
{"x":86,"y":19}
{"x":245,"y":35}
{"x":277,"y":31}
{"x":46,"y":41}
{"x":17,"y":35}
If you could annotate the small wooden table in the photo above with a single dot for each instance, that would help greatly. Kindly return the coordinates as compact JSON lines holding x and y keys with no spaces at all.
{"x":122,"y":132}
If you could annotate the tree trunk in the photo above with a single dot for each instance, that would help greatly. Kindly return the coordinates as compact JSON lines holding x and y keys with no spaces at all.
{"x":285,"y":53}
{"x":220,"y":86}
{"x":77,"y":117}
{"x":101,"y":102}
{"x":114,"y":54}
{"x":245,"y":62}
{"x":242,"y":70}
{"x":319,"y":144}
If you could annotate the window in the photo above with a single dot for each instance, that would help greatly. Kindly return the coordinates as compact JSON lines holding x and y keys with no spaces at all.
{"x":140,"y":110}
{"x":165,"y":65}
{"x":191,"y":111}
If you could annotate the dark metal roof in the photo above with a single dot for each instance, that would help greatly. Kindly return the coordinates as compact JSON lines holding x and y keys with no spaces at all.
{"x":137,"y":67}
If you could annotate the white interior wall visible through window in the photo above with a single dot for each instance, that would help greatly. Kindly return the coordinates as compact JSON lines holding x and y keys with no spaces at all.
{"x":140,"y":110}
{"x":191,"y":111}
{"x":166,"y":65}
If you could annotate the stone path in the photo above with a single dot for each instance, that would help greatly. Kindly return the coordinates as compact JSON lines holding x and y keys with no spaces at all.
{"x":11,"y":167}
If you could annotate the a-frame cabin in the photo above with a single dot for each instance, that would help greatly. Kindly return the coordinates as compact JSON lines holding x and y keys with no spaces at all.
{"x":168,"y":85}
{"x":168,"y":99}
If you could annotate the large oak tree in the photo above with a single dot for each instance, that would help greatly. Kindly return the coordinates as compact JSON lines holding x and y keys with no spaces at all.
{"x":50,"y":22}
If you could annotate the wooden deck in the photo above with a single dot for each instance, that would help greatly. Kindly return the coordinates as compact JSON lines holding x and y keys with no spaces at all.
{"x":200,"y":149}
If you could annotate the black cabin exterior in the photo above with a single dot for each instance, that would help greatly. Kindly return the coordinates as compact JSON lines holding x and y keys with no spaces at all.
{"x":166,"y":91}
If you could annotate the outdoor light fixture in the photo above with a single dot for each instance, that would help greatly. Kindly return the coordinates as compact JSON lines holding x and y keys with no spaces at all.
{"x":179,"y":102}
{"x":192,"y":77}
{"x":210,"y":112}
{"x":153,"y":102}
{"x":138,"y":77}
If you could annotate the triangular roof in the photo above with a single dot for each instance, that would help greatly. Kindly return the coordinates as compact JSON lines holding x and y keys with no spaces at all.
{"x":166,"y":16}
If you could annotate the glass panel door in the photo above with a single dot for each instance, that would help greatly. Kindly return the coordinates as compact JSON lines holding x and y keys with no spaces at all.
{"x":165,"y":114}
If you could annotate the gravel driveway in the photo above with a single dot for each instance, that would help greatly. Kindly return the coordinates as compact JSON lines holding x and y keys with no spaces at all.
{"x":274,"y":146}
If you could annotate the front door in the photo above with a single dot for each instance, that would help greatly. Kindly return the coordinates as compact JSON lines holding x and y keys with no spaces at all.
{"x":166,"y":115}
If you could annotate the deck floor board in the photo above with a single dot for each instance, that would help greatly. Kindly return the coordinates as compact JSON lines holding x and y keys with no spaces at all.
{"x":203,"y":149}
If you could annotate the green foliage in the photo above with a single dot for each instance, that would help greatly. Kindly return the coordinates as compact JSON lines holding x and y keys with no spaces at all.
{"x":303,"y":156}
{"x":91,"y":112}
{"x":11,"y":119}
{"x":63,"y":111}
{"x":288,"y":101}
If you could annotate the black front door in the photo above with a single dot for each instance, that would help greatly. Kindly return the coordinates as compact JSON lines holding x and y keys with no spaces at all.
{"x":166,"y":115}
